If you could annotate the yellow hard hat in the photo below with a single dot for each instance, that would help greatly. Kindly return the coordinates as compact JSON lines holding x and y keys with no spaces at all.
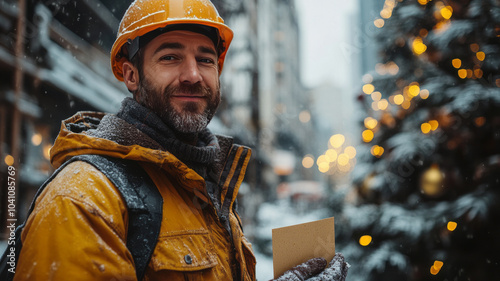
{"x":144,"y":16}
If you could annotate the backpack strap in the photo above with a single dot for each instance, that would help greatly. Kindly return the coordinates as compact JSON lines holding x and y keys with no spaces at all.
{"x":142,"y":198}
{"x":144,"y":205}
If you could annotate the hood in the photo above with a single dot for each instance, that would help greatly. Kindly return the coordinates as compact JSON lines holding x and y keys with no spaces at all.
{"x":108,"y":135}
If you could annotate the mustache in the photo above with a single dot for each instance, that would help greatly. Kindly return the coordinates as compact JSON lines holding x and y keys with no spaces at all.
{"x":190,"y":89}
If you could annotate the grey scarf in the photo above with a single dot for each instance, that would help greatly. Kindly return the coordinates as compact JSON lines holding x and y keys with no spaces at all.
{"x":198,"y":157}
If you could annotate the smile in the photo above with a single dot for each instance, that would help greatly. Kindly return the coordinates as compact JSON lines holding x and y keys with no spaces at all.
{"x":188,"y":97}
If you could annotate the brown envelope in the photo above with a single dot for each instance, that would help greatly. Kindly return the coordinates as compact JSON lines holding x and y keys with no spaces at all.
{"x":293,"y":245}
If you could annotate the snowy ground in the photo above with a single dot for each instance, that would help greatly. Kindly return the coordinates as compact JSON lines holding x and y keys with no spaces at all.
{"x":264,"y":267}
{"x":279,"y":214}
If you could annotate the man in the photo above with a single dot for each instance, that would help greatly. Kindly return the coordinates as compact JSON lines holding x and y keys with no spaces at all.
{"x":169,"y":54}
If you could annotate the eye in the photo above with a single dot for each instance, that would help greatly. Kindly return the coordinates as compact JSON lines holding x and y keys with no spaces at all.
{"x":167,"y":57}
{"x":207,"y":60}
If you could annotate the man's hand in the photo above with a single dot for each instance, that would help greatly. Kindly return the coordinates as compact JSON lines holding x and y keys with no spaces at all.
{"x":336,"y":270}
{"x":314,"y":270}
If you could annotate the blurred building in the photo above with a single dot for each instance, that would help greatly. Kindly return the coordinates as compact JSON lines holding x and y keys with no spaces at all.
{"x":335,"y":41}
{"x":53,"y":62}
{"x":287,"y":126}
{"x":265,"y":104}
{"x":365,"y":38}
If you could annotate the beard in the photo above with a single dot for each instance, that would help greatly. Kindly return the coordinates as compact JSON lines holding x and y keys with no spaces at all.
{"x":191,"y":117}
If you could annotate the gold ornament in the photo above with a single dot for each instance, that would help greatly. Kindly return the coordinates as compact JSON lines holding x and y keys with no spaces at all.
{"x":365,"y":188}
{"x":432,"y":182}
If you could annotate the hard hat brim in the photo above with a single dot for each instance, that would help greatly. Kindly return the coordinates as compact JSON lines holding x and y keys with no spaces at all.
{"x":117,"y":60}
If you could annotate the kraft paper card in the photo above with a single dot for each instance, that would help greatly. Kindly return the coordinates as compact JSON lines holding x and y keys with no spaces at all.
{"x":293,"y":245}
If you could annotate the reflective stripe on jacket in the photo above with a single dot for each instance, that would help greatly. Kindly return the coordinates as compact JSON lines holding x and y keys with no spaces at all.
{"x":78,"y":228}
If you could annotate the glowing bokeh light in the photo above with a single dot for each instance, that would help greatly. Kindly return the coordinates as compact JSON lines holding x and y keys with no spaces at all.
{"x":367,"y":135}
{"x":379,"y":23}
{"x":36,"y":139}
{"x":308,"y":161}
{"x":365,"y":240}
{"x":462,"y":73}
{"x":350,"y":151}
{"x":331,"y":155}
{"x":9,"y":160}
{"x":480,"y":56}
{"x":451,"y":225}
{"x":337,"y":140}
{"x":425,"y":127}
{"x":368,"y":89}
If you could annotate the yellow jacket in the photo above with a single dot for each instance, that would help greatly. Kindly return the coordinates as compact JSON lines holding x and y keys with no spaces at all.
{"x":78,"y":228}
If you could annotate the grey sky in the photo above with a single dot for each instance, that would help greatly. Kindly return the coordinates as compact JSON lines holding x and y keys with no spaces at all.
{"x":326,"y":26}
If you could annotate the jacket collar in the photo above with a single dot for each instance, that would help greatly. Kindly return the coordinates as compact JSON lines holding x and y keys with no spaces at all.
{"x":98,"y":133}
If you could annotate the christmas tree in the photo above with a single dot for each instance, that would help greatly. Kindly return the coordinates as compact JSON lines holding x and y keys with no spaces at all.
{"x":425,"y":201}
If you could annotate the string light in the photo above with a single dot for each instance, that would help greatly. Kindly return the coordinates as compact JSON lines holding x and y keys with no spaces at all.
{"x":377,"y":151}
{"x":414,"y":89}
{"x":469,"y":73}
{"x":331,"y":155}
{"x":367,"y":135}
{"x":423,"y":32}
{"x":425,"y":127}
{"x":368,"y":89}
{"x":456,"y":63}
{"x":474,"y":47}
{"x":376,"y":96}
{"x":46,"y":151}
{"x":451,"y":225}
{"x":322,"y":159}
{"x":308,"y":161}
{"x":365,"y":240}
{"x":323,"y":167}
{"x":441,"y":26}
{"x":387,"y":10}
{"x":406,"y":104}
{"x":434,"y":124}
{"x":304,"y":116}
{"x":424,"y":94}
{"x":418,"y":46}
{"x":381,"y":69}
{"x":392,"y":68}
{"x":383,"y":104}
{"x":337,"y":140}
{"x":350,"y":151}
{"x":386,"y":13}
{"x":388,"y":120}
{"x":478,"y":73}
{"x":479,"y":121}
{"x":9,"y":160}
{"x":399,"y":99}
{"x":370,"y":123}
{"x":36,"y":139}
{"x":462,"y":73}
{"x":343,"y":159}
{"x":480,"y":56}
{"x":379,"y":23}
{"x":436,"y":267}
{"x":446,"y":12}
{"x":367,"y":78}
{"x":400,"y":42}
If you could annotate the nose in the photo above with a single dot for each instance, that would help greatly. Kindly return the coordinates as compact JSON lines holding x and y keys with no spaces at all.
{"x":190,"y":71}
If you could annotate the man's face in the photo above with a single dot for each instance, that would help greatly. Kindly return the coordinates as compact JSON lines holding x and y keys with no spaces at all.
{"x":180,"y":80}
